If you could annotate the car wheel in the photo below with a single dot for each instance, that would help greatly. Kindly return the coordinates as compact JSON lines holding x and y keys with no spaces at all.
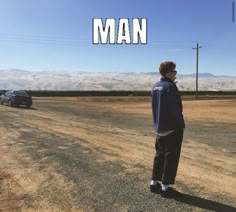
{"x":1,"y":102}
{"x":9,"y":103}
{"x":28,"y":106}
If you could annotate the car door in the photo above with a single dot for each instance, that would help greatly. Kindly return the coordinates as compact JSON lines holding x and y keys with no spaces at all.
{"x":3,"y":97}
{"x":7,"y":96}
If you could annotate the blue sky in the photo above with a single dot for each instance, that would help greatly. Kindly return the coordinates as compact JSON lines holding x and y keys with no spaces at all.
{"x":56,"y":35}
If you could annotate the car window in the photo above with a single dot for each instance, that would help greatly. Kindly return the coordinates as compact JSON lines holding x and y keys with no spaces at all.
{"x":8,"y":93}
{"x":21,"y":93}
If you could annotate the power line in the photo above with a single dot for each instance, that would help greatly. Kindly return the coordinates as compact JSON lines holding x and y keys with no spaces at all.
{"x":169,"y":45}
{"x":63,"y":40}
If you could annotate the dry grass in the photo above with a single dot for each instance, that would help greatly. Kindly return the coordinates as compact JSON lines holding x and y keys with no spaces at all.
{"x":112,"y":130}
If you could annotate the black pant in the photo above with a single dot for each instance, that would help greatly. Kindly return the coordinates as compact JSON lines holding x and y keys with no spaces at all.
{"x":167,"y":156}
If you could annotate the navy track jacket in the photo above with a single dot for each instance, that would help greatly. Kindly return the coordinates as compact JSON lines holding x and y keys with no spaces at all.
{"x":167,"y":109}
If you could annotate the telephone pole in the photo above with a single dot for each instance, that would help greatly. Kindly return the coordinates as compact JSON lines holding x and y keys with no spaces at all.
{"x":233,"y":11}
{"x":198,"y":47}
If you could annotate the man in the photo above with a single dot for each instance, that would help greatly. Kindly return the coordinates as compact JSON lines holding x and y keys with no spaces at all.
{"x":169,"y":126}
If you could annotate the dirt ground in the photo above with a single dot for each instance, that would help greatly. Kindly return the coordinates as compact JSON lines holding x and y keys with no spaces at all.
{"x":96,"y":154}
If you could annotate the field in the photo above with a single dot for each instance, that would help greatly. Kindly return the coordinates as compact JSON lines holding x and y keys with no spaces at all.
{"x":96,"y":154}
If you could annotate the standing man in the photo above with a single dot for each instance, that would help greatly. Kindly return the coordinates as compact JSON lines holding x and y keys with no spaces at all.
{"x":169,"y":125}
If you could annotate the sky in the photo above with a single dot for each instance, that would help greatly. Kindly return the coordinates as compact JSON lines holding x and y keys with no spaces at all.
{"x":56,"y":35}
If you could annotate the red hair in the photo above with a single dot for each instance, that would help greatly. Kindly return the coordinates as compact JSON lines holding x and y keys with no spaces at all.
{"x":165,"y":67}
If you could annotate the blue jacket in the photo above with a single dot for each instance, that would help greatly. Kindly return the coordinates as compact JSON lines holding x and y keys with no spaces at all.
{"x":166,"y":106}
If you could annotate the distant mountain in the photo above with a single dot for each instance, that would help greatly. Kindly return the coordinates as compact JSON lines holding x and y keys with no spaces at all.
{"x":200,"y":75}
{"x":15,"y":71}
{"x":45,"y":80}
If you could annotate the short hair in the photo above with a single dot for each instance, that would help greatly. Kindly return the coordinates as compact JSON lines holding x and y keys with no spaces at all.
{"x":165,"y":67}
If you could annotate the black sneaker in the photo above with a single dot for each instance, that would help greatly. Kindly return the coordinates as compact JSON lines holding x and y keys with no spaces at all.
{"x":155,"y":188}
{"x":170,"y":193}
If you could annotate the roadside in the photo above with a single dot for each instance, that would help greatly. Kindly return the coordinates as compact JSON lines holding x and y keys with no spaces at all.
{"x":90,"y":155}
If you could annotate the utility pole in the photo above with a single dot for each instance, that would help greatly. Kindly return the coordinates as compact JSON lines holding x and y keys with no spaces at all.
{"x":233,"y":11}
{"x":198,"y":47}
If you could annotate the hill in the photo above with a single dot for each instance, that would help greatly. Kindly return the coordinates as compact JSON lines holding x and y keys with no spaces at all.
{"x":27,"y":80}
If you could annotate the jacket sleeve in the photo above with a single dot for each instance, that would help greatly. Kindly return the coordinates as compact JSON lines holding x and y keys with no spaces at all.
{"x":154,"y":108}
{"x":175,"y":106}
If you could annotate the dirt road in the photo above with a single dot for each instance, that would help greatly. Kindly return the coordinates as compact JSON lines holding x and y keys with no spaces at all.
{"x":96,"y":154}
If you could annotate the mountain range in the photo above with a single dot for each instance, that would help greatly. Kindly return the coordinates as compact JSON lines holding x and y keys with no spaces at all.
{"x":26,"y":80}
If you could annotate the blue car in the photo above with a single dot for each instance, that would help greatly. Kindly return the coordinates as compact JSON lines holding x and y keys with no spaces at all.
{"x":16,"y":98}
